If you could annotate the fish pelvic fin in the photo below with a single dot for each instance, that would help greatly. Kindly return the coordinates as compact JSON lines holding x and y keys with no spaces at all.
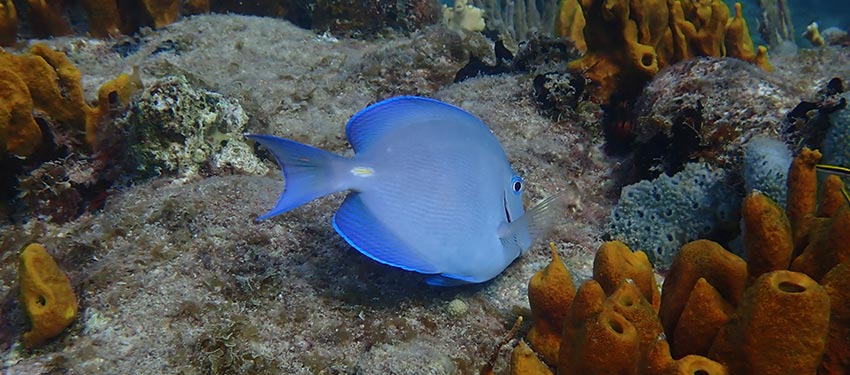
{"x":309,"y":172}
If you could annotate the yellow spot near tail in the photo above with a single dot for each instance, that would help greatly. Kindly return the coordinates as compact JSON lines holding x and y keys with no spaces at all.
{"x":362,"y":171}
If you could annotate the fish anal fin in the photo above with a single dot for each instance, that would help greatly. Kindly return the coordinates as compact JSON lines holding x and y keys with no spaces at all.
{"x":363,"y":231}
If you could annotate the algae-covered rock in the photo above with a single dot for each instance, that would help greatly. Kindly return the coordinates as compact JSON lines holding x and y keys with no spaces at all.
{"x":179,"y":129}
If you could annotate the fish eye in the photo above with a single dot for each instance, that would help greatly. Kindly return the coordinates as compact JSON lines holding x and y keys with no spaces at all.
{"x":516,"y":184}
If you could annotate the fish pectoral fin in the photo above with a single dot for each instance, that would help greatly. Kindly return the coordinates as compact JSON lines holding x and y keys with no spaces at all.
{"x":535,"y":222}
{"x":363,"y":231}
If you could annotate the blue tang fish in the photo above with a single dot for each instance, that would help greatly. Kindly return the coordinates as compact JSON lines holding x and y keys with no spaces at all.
{"x":430,"y":190}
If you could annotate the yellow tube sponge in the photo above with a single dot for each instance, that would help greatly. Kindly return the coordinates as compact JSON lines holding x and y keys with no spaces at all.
{"x":46,"y":18}
{"x":19,"y":134}
{"x":46,"y":294}
{"x":8,"y":22}
{"x":780,"y":327}
{"x":550,"y":293}
{"x":104,"y":19}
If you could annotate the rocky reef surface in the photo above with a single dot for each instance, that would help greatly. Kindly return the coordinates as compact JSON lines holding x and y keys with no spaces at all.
{"x":175,"y":276}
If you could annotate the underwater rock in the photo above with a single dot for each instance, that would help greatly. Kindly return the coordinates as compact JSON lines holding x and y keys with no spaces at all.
{"x":175,"y":128}
{"x":705,"y":108}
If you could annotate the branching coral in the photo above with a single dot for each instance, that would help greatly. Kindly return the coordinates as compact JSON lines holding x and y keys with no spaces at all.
{"x":628,"y":41}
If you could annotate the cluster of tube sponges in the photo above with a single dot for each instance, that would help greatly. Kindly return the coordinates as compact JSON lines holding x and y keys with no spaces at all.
{"x":784,"y":311}
{"x":626,"y":42}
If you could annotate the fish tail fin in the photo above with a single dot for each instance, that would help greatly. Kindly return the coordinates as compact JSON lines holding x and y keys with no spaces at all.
{"x":309,"y":172}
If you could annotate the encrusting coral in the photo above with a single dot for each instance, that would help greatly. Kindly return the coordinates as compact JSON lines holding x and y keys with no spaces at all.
{"x":628,"y":41}
{"x":46,"y":295}
{"x":719,"y":314}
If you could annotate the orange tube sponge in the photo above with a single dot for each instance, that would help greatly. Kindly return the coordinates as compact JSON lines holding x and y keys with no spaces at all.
{"x":570,"y":23}
{"x":615,"y":262}
{"x":767,"y":235}
{"x":54,"y":83}
{"x":703,"y":315}
{"x":828,"y":246}
{"x":607,"y":343}
{"x":739,"y":44}
{"x":104,"y":20}
{"x":525,"y":362}
{"x":802,"y":195}
{"x":46,"y":18}
{"x":629,"y":302}
{"x":780,"y":327}
{"x":46,"y":294}
{"x":111,"y":96}
{"x":163,"y":12}
{"x":550,"y":294}
{"x":659,"y":362}
{"x":19,"y":133}
{"x":700,"y":259}
{"x":836,"y":359}
{"x":588,"y":302}
{"x":8,"y":22}
{"x":831,"y":196}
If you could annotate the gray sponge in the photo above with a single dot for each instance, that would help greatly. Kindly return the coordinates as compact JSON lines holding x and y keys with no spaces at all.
{"x":766,"y":163}
{"x":661,"y":215}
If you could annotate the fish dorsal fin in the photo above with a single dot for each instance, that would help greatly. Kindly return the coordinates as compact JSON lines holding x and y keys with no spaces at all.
{"x":362,"y":230}
{"x":372,"y":122}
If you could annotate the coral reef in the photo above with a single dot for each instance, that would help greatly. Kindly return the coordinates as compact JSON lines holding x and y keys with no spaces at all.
{"x":46,"y":294}
{"x":628,"y":42}
{"x":661,"y":215}
{"x":177,"y":129}
{"x":734,"y":313}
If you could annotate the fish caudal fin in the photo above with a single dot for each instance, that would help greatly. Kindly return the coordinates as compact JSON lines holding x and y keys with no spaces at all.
{"x":309,"y":172}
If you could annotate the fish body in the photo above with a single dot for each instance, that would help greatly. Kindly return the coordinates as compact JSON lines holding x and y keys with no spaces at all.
{"x":430,"y":190}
